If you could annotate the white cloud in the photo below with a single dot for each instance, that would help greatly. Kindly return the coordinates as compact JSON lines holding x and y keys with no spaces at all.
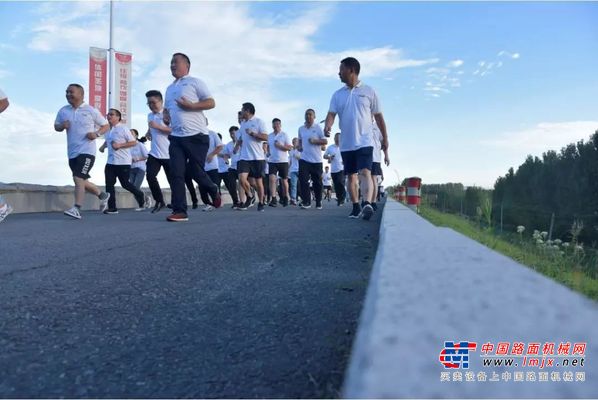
{"x":455,"y":63}
{"x":544,"y":136}
{"x":504,"y":53}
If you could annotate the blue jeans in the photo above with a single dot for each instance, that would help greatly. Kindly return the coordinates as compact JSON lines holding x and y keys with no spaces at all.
{"x":136,"y":177}
{"x":294,"y":179}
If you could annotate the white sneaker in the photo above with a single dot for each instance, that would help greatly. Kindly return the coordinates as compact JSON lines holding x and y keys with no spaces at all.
{"x":147,"y":201}
{"x":73,"y":212}
{"x":104,"y":202}
{"x":5,"y":211}
{"x":208,"y":208}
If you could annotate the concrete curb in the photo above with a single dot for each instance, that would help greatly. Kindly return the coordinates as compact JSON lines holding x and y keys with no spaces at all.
{"x":26,"y":198}
{"x":430,"y":285}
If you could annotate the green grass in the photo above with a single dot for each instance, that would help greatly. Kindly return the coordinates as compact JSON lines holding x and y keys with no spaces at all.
{"x":563,"y":269}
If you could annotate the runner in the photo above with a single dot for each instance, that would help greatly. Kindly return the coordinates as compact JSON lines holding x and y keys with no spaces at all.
{"x":80,"y":121}
{"x":356,"y":104}
{"x":157,"y":133}
{"x":252,"y":159}
{"x":279,"y":144}
{"x":119,"y":141}
{"x":311,"y":140}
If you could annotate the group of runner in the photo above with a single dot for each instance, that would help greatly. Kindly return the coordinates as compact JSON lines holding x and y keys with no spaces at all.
{"x":256,"y":166}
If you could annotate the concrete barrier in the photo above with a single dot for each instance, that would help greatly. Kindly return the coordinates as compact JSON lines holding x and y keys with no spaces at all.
{"x":24,"y":197}
{"x":430,"y":285}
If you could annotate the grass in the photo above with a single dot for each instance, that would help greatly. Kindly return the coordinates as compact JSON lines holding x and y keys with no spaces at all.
{"x":563,"y":269}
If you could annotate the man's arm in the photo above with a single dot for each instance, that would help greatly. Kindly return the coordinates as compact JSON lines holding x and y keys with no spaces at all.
{"x":329,"y":122}
{"x":382,"y":126}
{"x":159,"y":127}
{"x":124,"y":145}
{"x":215,"y":152}
{"x":94,"y":135}
{"x":201,"y":105}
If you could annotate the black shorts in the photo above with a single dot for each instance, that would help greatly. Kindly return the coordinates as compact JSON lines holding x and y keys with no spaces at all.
{"x":255,"y":168}
{"x":327,"y":187}
{"x":81,"y":165}
{"x":233,"y":172}
{"x":282,"y":169}
{"x":376,"y":168}
{"x":356,"y":160}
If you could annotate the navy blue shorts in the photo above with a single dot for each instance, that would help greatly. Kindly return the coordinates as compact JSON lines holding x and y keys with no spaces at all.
{"x":376,"y":168}
{"x":356,"y":160}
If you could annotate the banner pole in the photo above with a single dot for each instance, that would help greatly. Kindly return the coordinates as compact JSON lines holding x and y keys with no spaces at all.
{"x":111,"y":63}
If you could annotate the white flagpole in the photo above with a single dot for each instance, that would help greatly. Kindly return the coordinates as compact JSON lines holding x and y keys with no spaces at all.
{"x":111,"y":62}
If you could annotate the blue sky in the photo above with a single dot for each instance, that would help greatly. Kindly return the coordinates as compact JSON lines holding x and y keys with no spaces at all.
{"x":468,"y":89}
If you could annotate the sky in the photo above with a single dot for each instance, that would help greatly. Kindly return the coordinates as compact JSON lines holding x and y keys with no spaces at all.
{"x":468,"y":89}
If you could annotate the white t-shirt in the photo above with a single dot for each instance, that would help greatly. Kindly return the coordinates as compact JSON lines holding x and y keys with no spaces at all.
{"x":2,"y":95}
{"x":160,"y":142}
{"x":119,"y":134}
{"x":186,"y":123}
{"x":252,"y":148}
{"x":326,"y":178}
{"x":222,"y":163}
{"x":83,"y":120}
{"x":336,"y":164}
{"x":214,"y":142}
{"x":228,"y":150}
{"x":311,"y":152}
{"x":293,"y":154}
{"x":139,"y":151}
{"x":355,"y":108}
{"x":277,"y":155}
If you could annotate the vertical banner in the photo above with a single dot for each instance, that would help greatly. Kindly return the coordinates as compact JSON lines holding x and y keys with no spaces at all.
{"x":98,"y":76}
{"x":122,"y":85}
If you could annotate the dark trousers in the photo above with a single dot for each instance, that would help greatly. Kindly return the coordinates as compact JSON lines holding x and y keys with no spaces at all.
{"x":205,"y":192}
{"x":189,"y":184}
{"x":111,"y":172}
{"x":153,"y":167}
{"x":230,"y":181}
{"x":191,"y":150}
{"x":313,"y":170}
{"x":338,"y":179}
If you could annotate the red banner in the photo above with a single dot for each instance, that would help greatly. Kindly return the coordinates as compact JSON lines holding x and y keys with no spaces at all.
{"x":122,"y":85}
{"x":98,"y":76}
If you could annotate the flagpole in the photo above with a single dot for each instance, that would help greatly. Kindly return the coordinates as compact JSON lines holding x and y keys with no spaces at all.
{"x":110,"y":61}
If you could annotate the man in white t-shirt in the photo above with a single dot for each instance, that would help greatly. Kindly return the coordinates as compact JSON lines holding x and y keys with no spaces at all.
{"x":186,"y":100}
{"x":3,"y":101}
{"x":279,"y":144}
{"x":157,"y":133}
{"x":355,"y":104}
{"x":83,"y":125}
{"x":311,"y":140}
{"x":233,"y":158}
{"x":333,"y":155}
{"x":252,"y":160}
{"x":294,"y":157}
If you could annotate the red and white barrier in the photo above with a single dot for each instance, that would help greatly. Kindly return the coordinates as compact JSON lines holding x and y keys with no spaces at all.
{"x":414,"y":193}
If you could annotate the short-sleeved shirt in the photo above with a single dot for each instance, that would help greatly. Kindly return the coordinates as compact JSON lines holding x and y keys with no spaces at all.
{"x":252,"y":148}
{"x":355,"y":108}
{"x":376,"y":156}
{"x":160,"y":142}
{"x":83,"y":119}
{"x":2,"y":95}
{"x":293,"y":154}
{"x":139,"y":151}
{"x":222,"y":163}
{"x":311,"y":152}
{"x":326,"y":179}
{"x":336,"y":164}
{"x":214,"y":142}
{"x":187,"y":123}
{"x":119,"y":134}
{"x":229,"y":149}
{"x":277,"y":155}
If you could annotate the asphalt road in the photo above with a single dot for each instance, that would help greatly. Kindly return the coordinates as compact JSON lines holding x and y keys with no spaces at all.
{"x":229,"y":304}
